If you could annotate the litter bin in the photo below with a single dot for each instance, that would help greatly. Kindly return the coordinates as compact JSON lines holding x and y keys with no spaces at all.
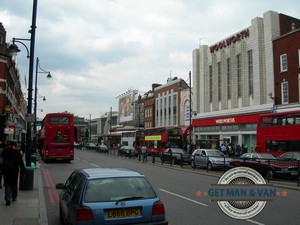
{"x":26,"y":183}
{"x":33,"y":159}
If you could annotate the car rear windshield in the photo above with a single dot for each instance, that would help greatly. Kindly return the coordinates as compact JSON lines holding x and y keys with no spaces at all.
{"x":113,"y":189}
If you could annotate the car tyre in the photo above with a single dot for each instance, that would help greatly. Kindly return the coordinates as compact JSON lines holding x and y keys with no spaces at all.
{"x":61,"y":218}
{"x":193,"y":164}
{"x":209,"y":166}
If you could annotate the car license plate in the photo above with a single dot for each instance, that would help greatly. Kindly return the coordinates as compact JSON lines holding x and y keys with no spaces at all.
{"x":123,"y":213}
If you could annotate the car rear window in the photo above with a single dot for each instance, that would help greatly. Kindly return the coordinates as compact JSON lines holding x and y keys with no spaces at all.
{"x":113,"y":189}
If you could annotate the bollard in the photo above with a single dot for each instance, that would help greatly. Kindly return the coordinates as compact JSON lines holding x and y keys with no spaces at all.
{"x":153,"y":157}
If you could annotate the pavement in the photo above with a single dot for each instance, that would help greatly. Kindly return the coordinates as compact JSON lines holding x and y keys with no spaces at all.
{"x":30,"y":206}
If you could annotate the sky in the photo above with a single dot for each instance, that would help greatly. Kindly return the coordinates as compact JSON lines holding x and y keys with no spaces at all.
{"x":97,"y":50}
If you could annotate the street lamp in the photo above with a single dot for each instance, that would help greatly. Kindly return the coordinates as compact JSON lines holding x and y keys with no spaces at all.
{"x":14,"y":50}
{"x":38,"y":69}
{"x":190,"y":112}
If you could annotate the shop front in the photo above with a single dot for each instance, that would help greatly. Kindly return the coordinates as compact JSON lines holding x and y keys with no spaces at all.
{"x":230,"y":130}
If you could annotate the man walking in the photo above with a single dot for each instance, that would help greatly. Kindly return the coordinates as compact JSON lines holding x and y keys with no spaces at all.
{"x":11,"y":166}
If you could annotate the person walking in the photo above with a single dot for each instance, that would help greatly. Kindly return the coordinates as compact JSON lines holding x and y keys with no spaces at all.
{"x":1,"y":161}
{"x":11,"y":166}
{"x":144,"y":153}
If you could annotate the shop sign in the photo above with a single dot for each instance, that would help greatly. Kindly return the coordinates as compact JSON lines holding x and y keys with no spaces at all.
{"x":9,"y":130}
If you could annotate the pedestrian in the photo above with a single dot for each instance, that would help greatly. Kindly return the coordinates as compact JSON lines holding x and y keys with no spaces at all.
{"x":144,"y":153}
{"x":1,"y":161}
{"x":11,"y":166}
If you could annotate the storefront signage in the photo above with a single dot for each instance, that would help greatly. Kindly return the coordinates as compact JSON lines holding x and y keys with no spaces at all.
{"x":225,"y":120}
{"x":231,"y":40}
{"x":242,"y":119}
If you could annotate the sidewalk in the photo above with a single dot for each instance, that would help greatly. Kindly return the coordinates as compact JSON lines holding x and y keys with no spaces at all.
{"x":30,"y":207}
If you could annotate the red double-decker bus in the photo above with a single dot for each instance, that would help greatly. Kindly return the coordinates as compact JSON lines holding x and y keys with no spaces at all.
{"x":158,"y":139}
{"x":278,"y":132}
{"x":56,"y":137}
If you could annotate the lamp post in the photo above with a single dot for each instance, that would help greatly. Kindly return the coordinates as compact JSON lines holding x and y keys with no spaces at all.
{"x":37,"y":68}
{"x":190,"y":116}
{"x":139,"y":118}
{"x":14,"y":49}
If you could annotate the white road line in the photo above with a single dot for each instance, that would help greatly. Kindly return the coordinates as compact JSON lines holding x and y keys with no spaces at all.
{"x":185,"y":198}
{"x":199,"y":203}
{"x":255,"y":222}
{"x":85,"y":161}
{"x":94,"y":165}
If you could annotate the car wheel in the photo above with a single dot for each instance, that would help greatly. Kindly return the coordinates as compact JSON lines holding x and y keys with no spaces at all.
{"x":61,"y":218}
{"x":270,"y":174}
{"x":209,"y":166}
{"x":193,"y":165}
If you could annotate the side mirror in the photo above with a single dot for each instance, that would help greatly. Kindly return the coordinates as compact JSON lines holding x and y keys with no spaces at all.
{"x":60,"y":186}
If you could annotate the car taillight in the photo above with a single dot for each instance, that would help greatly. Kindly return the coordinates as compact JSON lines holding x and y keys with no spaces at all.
{"x":158,"y":208}
{"x":84,"y":213}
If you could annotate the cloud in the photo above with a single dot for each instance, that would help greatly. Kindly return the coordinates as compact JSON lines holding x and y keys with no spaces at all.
{"x":99,"y":49}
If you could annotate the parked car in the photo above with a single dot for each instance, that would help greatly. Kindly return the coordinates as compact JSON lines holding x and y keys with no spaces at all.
{"x":175,"y":155}
{"x":109,"y":196}
{"x":128,"y":151}
{"x":91,"y":146}
{"x":102,"y":149}
{"x":210,"y":159}
{"x":290,"y":156}
{"x":267,"y":165}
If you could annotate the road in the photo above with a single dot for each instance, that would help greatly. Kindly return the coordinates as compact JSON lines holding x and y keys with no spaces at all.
{"x":178,"y":188}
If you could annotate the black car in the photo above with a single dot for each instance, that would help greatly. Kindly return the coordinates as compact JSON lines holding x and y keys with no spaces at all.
{"x":175,"y":155}
{"x":128,"y":151}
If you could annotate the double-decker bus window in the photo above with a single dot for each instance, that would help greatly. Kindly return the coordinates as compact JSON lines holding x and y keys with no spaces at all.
{"x":61,"y":139}
{"x":59,"y":120}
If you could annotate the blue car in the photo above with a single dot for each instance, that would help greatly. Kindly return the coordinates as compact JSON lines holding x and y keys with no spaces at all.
{"x":109,"y":196}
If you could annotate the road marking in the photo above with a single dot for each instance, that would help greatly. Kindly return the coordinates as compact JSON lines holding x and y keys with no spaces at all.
{"x":94,"y":165}
{"x":185,"y":198}
{"x":199,"y":203}
{"x":255,"y":222}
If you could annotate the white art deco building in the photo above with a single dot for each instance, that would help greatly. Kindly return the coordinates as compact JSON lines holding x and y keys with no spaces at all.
{"x":233,"y":82}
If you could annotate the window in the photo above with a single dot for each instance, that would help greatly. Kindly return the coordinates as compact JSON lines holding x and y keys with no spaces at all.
{"x":283,"y":63}
{"x":219,"y":81}
{"x":1,"y":39}
{"x":284,"y":92}
{"x":210,"y":84}
{"x":250,"y":72}
{"x":228,"y":79}
{"x":239,"y":74}
{"x":298,"y":57}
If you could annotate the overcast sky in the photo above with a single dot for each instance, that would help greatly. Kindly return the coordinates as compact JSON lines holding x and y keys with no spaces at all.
{"x":99,"y":49}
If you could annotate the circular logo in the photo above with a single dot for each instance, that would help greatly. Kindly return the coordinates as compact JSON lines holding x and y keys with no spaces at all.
{"x":241,"y":209}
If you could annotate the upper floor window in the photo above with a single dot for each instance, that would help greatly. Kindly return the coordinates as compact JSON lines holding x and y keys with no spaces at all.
{"x":1,"y":39}
{"x":228,"y":78}
{"x":250,"y":72}
{"x":284,"y":92}
{"x":239,"y":74}
{"x":299,"y":58}
{"x":283,"y":63}
{"x":219,"y":81}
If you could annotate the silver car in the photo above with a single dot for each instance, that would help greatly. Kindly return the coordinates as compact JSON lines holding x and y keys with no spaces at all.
{"x":210,"y":159}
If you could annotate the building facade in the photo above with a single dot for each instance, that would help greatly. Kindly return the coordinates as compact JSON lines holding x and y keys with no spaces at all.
{"x":12,"y":102}
{"x":167,"y":100}
{"x":234,"y":82}
{"x":287,"y":69}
